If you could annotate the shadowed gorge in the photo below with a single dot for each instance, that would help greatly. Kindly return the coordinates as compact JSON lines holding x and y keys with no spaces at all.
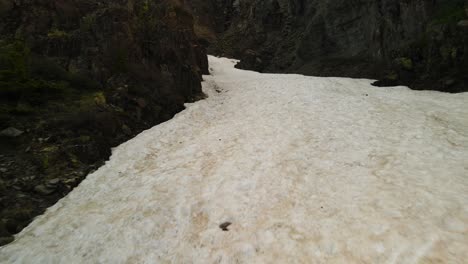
{"x":274,"y":168}
{"x":419,"y":43}
{"x":316,"y":131}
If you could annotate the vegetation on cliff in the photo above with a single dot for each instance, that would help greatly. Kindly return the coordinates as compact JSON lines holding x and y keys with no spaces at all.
{"x":80,"y":77}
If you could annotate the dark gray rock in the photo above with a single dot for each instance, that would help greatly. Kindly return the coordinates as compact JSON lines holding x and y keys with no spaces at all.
{"x":53,"y":182}
{"x":463,"y":23}
{"x":11,"y":132}
{"x":346,"y":38}
{"x":44,"y":190}
{"x":6,"y":6}
{"x":6,"y":240}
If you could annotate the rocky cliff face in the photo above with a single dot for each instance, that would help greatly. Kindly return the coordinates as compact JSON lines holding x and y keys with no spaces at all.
{"x":145,"y":43}
{"x":77,"y":78}
{"x":414,"y":42}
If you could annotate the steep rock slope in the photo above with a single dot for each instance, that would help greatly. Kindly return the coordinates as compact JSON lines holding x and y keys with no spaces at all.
{"x":420,"y":43}
{"x":79,"y":77}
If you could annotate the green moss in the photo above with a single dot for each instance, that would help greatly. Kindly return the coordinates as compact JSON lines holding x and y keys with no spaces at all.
{"x":392,"y":76}
{"x":29,"y":79}
{"x":86,"y":101}
{"x":17,"y":82}
{"x":99,"y":98}
{"x":50,"y":149}
{"x":90,"y":100}
{"x":146,"y":6}
{"x":405,"y":63}
{"x":45,"y":161}
{"x":13,"y":60}
{"x":84,"y":139}
{"x":58,"y":34}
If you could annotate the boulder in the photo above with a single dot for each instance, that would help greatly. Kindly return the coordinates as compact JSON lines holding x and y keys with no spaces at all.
{"x":11,"y":132}
{"x":463,"y":23}
{"x":44,"y":190}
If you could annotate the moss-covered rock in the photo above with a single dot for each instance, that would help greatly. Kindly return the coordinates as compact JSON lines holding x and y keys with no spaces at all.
{"x":404,"y":63}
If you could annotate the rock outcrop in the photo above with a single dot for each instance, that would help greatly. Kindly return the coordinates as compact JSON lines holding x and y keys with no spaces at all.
{"x":80,"y":77}
{"x":418,"y":43}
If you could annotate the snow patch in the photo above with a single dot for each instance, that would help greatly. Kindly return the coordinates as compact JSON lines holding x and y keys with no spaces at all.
{"x":305,"y":170}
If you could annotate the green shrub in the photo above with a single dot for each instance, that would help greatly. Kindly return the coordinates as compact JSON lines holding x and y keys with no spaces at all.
{"x":13,"y":60}
{"x":35,"y":79}
{"x":47,"y":69}
{"x":405,"y":63}
{"x":58,"y":34}
{"x":19,"y":83}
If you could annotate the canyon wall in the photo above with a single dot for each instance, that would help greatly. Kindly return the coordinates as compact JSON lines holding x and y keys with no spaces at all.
{"x":419,"y":43}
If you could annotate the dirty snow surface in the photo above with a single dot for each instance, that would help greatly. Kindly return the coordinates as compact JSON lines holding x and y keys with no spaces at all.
{"x":306,"y":170}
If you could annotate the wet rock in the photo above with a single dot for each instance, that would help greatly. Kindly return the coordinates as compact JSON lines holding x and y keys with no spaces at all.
{"x":53,"y":182}
{"x":224,"y":226}
{"x":11,"y":132}
{"x":21,"y":195}
{"x":72,"y":182}
{"x":463,"y":23}
{"x":44,"y":190}
{"x":449,"y":83}
{"x":3,"y":170}
{"x":386,"y":82}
